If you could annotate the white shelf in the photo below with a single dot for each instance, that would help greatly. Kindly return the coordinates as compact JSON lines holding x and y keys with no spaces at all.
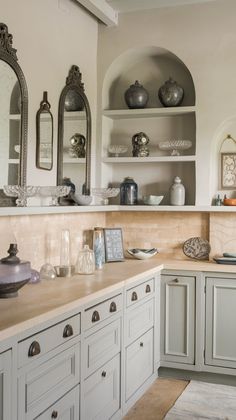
{"x":148,"y":112}
{"x":75,"y":115}
{"x":149,"y":159}
{"x":74,"y":160}
{"x":14,"y":116}
{"x":14,"y":161}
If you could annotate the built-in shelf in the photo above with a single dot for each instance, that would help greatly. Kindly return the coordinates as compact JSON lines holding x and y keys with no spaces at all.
{"x":149,"y":159}
{"x":148,"y":112}
{"x":75,"y":115}
{"x":74,"y":160}
{"x":14,"y":116}
{"x":17,"y":161}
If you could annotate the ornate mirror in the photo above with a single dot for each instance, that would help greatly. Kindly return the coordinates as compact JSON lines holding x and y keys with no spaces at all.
{"x":44,"y":135}
{"x":74,"y":134}
{"x":13,"y":117}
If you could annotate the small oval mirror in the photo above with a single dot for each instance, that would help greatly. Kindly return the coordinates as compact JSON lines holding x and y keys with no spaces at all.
{"x":44,"y":135}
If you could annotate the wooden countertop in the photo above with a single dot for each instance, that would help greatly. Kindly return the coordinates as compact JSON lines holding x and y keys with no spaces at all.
{"x":40,"y":302}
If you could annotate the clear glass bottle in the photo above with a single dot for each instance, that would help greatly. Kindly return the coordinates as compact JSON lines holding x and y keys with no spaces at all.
{"x":128,"y":192}
{"x":65,"y":264}
{"x":98,"y":247}
{"x":177,"y":193}
{"x":85,"y":263}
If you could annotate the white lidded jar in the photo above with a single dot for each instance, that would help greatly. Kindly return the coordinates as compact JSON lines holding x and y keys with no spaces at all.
{"x":85,"y":263}
{"x":177,"y":193}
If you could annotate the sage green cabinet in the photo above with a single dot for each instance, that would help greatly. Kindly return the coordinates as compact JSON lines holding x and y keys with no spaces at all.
{"x":220,"y":322}
{"x":5,"y":386}
{"x":178,"y":319}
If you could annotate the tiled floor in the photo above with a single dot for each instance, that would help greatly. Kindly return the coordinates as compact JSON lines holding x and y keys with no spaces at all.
{"x":157,"y":401}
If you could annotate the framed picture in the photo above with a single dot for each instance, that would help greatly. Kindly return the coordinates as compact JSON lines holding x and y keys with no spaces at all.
{"x":113,"y":240}
{"x":228,"y":171}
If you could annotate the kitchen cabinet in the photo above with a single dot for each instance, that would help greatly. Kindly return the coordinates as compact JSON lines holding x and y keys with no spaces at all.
{"x":5,"y":386}
{"x":154,"y":173}
{"x":220,"y":335}
{"x":177,"y":319}
{"x":66,"y":408}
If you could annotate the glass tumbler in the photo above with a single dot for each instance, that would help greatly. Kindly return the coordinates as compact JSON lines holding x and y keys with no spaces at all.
{"x":85,"y":263}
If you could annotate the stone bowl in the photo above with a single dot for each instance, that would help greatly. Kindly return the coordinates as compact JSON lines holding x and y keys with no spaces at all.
{"x":82,"y":200}
{"x":153,"y":200}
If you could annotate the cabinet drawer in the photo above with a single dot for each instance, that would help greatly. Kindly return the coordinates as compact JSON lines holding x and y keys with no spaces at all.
{"x":139,"y":363}
{"x":96,"y":314}
{"x":40,"y":387}
{"x":67,"y":408}
{"x":139,"y":292}
{"x":102,"y":346}
{"x":102,"y":391}
{"x":139,"y":320}
{"x":46,"y":340}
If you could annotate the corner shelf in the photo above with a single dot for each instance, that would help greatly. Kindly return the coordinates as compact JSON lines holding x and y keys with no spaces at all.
{"x":118,"y":114}
{"x":149,"y":159}
{"x":77,"y":161}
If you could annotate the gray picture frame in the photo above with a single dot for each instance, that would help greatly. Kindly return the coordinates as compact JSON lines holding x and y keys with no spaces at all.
{"x":113,"y":241}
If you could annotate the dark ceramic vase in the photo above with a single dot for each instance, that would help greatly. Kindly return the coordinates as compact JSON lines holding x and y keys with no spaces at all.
{"x":73,"y":101}
{"x":136,"y":96}
{"x":128,"y":192}
{"x":171,"y":94}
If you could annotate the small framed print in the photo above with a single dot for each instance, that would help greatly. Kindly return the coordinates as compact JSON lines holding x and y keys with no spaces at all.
{"x":228,"y":171}
{"x":113,"y":239}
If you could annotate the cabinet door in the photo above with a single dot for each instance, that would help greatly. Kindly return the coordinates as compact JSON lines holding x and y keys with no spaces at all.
{"x":178,"y":319}
{"x":139,"y":363}
{"x":5,"y":386}
{"x":102,"y":391}
{"x":67,"y":408}
{"x":220,"y":322}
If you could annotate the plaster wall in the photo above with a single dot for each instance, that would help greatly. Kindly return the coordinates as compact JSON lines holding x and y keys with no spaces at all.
{"x":50,"y":36}
{"x":203,"y":36}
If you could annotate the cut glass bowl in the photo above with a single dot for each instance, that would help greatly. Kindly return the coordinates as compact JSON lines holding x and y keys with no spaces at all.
{"x":175,"y":146}
{"x":117,"y":149}
{"x":54,"y":192}
{"x":21,"y":192}
{"x":105,"y":193}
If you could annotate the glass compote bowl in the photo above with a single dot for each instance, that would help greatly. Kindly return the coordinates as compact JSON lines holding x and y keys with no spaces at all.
{"x":175,"y":146}
{"x":21,"y":192}
{"x":105,"y":193}
{"x":54,"y":192}
{"x":117,"y":149}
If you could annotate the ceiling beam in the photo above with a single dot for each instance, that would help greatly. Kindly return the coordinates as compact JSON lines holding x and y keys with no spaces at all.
{"x":101,"y":10}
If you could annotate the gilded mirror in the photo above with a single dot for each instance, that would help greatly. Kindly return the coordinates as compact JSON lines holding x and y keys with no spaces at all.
{"x":74,"y":135}
{"x":13,"y":117}
{"x":44,"y":135}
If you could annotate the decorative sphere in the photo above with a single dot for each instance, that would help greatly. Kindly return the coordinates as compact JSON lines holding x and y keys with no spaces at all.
{"x":136,"y":96}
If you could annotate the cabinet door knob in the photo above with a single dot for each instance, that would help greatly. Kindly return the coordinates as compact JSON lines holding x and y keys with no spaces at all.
{"x":141,"y":344}
{"x":134,"y":296}
{"x":68,"y":331}
{"x":176,"y":280}
{"x":54,"y":414}
{"x":148,"y":288}
{"x":104,"y":374}
{"x":34,"y":349}
{"x":113,"y":307}
{"x":95,"y":316}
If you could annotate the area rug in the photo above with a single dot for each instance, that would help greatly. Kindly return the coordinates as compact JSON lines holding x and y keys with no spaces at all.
{"x":201,"y":400}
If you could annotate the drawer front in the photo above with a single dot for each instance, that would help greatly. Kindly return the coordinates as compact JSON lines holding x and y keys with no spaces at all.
{"x":139,"y":320}
{"x":46,"y":340}
{"x":139,"y":363}
{"x":102,"y":346}
{"x":139,"y":292}
{"x":102,"y":391}
{"x":94,"y":315}
{"x":40,"y":387}
{"x":67,"y":408}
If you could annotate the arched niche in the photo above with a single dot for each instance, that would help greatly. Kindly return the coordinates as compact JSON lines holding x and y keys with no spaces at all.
{"x":151,"y":66}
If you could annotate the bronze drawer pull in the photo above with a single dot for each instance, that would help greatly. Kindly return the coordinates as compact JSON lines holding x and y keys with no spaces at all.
{"x":34,"y":349}
{"x":113,"y":307}
{"x":68,"y":331}
{"x":141,"y":344}
{"x":104,"y":374}
{"x":148,"y":289}
{"x":54,"y":414}
{"x":176,"y":280}
{"x":95,"y":316}
{"x":134,"y":296}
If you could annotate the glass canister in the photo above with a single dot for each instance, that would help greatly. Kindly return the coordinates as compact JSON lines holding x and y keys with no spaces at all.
{"x":128,"y":192}
{"x":85,"y":263}
{"x":177,"y":193}
{"x":98,"y":247}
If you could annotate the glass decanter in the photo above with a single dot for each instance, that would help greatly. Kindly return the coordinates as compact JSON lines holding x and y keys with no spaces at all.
{"x":85,"y":263}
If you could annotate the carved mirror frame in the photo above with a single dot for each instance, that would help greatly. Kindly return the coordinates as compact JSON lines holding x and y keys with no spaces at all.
{"x":8,"y":54}
{"x":74,"y":82}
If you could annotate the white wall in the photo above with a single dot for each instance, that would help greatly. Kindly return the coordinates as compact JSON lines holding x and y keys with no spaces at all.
{"x":203,"y":36}
{"x":50,"y":36}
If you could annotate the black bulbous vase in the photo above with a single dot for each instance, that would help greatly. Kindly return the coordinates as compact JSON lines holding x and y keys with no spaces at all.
{"x":136,"y":96}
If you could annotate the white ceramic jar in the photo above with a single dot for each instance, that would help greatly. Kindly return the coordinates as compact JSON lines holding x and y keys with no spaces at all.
{"x":177,"y":193}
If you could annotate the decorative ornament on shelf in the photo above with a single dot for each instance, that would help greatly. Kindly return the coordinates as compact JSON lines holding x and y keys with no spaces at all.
{"x":175,"y":146}
{"x":197,"y":248}
{"x":170,"y":93}
{"x":117,"y":149}
{"x":136,"y":96}
{"x":140,"y":142}
{"x":21,"y":192}
{"x":128,"y":192}
{"x":77,"y":148}
{"x":177,"y":193}
{"x":228,"y":166}
{"x":105,"y":193}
